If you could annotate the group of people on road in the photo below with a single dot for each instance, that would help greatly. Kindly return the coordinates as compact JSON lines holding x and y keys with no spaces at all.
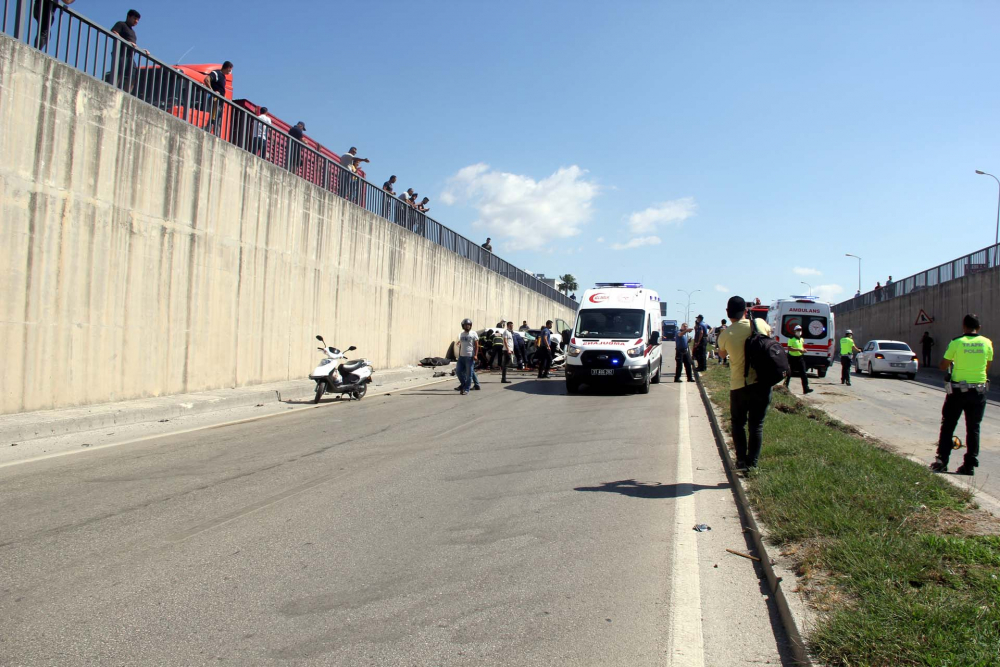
{"x":501,"y":345}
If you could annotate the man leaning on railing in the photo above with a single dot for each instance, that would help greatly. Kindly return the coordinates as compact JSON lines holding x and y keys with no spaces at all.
{"x":125,"y":30}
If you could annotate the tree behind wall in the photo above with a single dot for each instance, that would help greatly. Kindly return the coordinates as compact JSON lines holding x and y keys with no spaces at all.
{"x":567,"y":283}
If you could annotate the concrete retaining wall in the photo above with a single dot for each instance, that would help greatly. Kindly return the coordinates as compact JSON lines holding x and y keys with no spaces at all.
{"x":140,"y":256}
{"x":946,"y":304}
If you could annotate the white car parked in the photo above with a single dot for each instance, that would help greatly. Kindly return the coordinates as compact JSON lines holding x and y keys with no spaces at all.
{"x":886,"y":356}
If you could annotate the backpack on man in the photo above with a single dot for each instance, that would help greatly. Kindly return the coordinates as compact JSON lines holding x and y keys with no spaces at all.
{"x":766,"y":356}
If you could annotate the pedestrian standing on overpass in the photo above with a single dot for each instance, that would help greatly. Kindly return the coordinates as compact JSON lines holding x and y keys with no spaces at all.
{"x":969,"y":358}
{"x":44,"y":12}
{"x":847,"y":350}
{"x":682,"y":354}
{"x":796,"y":359}
{"x":468,"y":350}
{"x":508,"y":351}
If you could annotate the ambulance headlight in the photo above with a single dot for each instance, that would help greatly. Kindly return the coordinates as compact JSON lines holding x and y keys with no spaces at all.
{"x":636,"y":351}
{"x":574,"y":351}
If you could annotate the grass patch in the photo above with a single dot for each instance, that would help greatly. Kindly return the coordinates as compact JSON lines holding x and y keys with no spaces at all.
{"x":903,"y":569}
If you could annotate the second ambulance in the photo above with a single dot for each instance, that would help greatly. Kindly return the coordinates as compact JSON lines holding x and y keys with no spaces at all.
{"x":816,"y":319}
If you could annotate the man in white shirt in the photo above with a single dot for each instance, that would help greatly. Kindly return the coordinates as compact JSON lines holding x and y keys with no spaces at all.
{"x":348,"y":158}
{"x":508,"y":351}
{"x":468,"y":350}
{"x":260,"y":129}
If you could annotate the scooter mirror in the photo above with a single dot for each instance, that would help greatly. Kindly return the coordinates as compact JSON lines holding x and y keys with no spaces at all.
{"x":320,"y":339}
{"x":351,"y":348}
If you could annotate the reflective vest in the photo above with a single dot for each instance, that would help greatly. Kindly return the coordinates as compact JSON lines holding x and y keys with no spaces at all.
{"x":497,"y":338}
{"x":969,"y":354}
{"x":846,"y":346}
{"x":796,"y":347}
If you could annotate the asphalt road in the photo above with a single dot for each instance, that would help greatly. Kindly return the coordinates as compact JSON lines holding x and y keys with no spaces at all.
{"x":907,"y":415}
{"x":513,"y":526}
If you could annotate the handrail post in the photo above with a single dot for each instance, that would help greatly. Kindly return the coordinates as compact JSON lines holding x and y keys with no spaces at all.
{"x":115,"y":56}
{"x":22,"y":19}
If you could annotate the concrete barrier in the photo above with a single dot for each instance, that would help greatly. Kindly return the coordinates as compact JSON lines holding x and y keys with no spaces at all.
{"x":141,"y":256}
{"x":900,"y":318}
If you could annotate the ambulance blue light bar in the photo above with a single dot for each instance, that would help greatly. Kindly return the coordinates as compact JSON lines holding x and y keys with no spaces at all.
{"x":631,"y":285}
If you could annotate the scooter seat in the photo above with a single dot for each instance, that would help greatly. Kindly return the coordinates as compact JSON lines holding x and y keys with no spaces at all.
{"x":350,"y":367}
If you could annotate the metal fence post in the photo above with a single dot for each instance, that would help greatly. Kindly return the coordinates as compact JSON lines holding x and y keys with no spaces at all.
{"x":21,"y":19}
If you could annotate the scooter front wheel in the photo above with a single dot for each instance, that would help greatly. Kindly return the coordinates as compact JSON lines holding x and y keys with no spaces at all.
{"x":320,"y":390}
{"x":360,"y":392}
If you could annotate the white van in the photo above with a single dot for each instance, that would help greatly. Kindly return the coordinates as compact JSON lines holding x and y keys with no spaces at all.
{"x":816,"y":319}
{"x":616,"y":338}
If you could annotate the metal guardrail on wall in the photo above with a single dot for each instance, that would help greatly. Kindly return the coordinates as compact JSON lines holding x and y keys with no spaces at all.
{"x":88,"y":47}
{"x":981,"y":260}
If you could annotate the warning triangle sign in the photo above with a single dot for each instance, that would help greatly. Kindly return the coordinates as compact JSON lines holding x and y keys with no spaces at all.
{"x":923,"y":318}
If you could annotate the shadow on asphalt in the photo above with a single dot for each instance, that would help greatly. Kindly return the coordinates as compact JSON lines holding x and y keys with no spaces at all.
{"x":556,"y":385}
{"x":327,"y":398}
{"x":653,"y":490}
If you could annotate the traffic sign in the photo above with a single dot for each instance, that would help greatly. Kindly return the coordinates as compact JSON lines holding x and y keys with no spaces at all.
{"x":923,"y":318}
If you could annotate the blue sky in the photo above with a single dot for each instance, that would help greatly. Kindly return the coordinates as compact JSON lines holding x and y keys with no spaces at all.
{"x":694,"y":145}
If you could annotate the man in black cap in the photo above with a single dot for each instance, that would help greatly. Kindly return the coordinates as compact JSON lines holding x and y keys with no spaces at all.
{"x":748,"y":401}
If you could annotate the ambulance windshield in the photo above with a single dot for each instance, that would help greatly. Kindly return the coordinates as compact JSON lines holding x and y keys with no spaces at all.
{"x":610,"y":323}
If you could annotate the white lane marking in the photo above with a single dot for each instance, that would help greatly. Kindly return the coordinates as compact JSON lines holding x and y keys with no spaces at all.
{"x":687,"y":646}
{"x":74,"y":452}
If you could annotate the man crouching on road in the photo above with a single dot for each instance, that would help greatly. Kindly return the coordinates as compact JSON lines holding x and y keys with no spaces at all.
{"x":969,"y":358}
{"x":748,"y":401}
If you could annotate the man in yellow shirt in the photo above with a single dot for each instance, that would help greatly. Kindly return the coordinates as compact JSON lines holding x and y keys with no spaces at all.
{"x":796,"y":362}
{"x":748,"y":401}
{"x":969,"y":358}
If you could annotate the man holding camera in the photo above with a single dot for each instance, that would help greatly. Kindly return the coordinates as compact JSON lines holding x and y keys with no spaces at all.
{"x":969,"y":358}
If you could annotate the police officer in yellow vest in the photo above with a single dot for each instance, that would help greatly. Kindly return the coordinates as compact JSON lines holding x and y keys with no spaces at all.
{"x":847,"y":350}
{"x":796,"y":362}
{"x":496,"y":353}
{"x":969,"y":358}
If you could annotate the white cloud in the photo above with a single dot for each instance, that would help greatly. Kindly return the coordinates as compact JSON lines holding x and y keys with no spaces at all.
{"x":722,"y":288}
{"x":637,"y":242}
{"x":828,"y":292}
{"x":520,"y":211}
{"x":668,"y":212}
{"x":600,"y":239}
{"x":802,"y":271}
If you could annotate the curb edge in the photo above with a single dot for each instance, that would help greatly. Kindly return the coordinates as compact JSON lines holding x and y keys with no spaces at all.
{"x":795,"y":642}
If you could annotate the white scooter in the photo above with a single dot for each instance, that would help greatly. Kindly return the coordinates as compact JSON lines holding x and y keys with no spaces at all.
{"x":347,"y":378}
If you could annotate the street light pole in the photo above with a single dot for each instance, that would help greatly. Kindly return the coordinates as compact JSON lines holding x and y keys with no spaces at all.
{"x":859,"y":269}
{"x":688,"y":312}
{"x":678,"y":303}
{"x":996,"y":236}
{"x":810,"y":292}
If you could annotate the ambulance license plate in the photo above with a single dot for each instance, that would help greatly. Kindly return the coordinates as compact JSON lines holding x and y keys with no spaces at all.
{"x":898,"y":365}
{"x":602,"y":371}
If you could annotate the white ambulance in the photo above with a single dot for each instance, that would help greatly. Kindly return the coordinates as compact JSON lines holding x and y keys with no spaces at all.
{"x":816,"y":319}
{"x":616,"y":338}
